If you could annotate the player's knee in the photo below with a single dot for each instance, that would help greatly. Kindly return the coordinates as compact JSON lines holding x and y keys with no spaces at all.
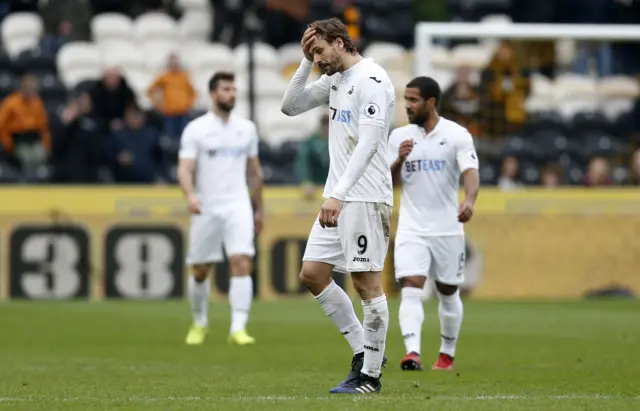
{"x":368,"y":285}
{"x":200,"y":271}
{"x":413,"y":282}
{"x":446,"y":289}
{"x":240,"y":265}
{"x":314,"y":277}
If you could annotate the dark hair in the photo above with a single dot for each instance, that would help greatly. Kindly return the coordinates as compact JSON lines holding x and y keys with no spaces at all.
{"x":218,"y":77}
{"x":332,"y":29}
{"x":427,"y":86}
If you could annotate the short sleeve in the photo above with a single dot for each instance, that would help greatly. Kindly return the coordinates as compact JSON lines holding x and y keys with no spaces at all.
{"x":373,"y":101}
{"x":253,"y":143}
{"x":189,"y":142}
{"x":466,"y":155}
{"x":393,"y":145}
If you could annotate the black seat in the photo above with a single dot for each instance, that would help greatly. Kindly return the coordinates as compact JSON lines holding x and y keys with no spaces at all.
{"x":589,"y":122}
{"x":8,"y":83}
{"x":288,"y":153}
{"x":265,"y":152}
{"x":51,"y":88}
{"x":602,"y":145}
{"x":33,"y":61}
{"x":521,"y":148}
{"x":545,"y":121}
{"x":488,"y":173}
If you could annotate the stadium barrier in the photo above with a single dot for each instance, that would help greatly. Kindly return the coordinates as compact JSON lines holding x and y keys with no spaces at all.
{"x":130,"y":242}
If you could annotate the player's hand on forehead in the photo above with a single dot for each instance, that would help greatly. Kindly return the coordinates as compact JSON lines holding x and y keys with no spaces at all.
{"x":308,"y":38}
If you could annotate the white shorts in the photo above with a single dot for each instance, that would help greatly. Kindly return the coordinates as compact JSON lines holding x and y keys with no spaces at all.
{"x":231,"y":227}
{"x":358,"y":244}
{"x":440,"y":258}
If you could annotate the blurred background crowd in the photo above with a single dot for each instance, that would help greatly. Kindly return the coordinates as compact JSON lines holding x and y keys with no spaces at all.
{"x":98,"y":91}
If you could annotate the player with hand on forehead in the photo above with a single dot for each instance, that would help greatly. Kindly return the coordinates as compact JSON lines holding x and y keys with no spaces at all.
{"x":351,"y":233}
{"x":427,"y":157}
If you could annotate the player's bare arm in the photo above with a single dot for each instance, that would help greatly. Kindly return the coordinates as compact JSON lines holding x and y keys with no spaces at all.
{"x":300,"y":97}
{"x":186,"y":167}
{"x":255,"y":179}
{"x":403,"y":152}
{"x":471,"y":180}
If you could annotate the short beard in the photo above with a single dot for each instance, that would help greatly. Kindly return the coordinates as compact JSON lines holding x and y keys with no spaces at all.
{"x":225,"y":107}
{"x":420,"y":120}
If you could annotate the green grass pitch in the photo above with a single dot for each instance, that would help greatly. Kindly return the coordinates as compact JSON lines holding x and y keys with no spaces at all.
{"x":130,"y":356}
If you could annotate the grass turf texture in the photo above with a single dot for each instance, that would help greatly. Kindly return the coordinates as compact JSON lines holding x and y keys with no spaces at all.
{"x":131,"y":356}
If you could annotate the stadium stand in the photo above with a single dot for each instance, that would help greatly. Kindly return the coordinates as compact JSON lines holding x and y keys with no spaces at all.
{"x":565,"y":121}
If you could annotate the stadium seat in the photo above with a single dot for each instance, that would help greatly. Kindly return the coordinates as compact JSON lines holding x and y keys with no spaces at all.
{"x":588,"y":122}
{"x":194,"y":5}
{"x":476,"y":56}
{"x":576,"y":93}
{"x":21,"y":31}
{"x":601,"y":144}
{"x":623,"y":125}
{"x":618,"y":95}
{"x":488,"y":174}
{"x":541,"y":86}
{"x":51,"y":88}
{"x":107,"y":27}
{"x":125,"y":55}
{"x":210,"y":57}
{"x":33,"y":61}
{"x":440,"y":57}
{"x":8,"y":83}
{"x":529,"y":172}
{"x":399,"y":79}
{"x":8,"y":174}
{"x":157,"y":26}
{"x":268,"y":84}
{"x":156,"y":56}
{"x":290,"y":54}
{"x":384,"y":53}
{"x":196,"y":25}
{"x":521,"y":148}
{"x":266,"y":57}
{"x":554,"y":145}
{"x":78,"y":61}
{"x":546,"y":120}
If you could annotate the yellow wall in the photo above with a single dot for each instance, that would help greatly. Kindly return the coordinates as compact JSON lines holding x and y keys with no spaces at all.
{"x":534,"y":243}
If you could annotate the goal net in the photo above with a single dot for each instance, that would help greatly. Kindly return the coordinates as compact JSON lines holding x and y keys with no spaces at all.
{"x":553,"y":96}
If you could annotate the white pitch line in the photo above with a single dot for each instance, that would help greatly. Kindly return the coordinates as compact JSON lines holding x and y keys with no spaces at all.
{"x":270,"y":398}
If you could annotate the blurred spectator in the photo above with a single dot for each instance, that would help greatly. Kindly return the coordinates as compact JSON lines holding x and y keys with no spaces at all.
{"x":24,"y":126}
{"x":598,"y":173}
{"x":229,"y":14}
{"x":134,"y":151}
{"x":284,"y":21}
{"x":505,"y":86}
{"x":461,"y":102}
{"x":173,"y":96}
{"x":111,"y":96}
{"x":551,"y":176}
{"x":51,"y":43}
{"x":634,"y":175}
{"x":509,"y":175}
{"x":312,"y":162}
{"x":77,"y":151}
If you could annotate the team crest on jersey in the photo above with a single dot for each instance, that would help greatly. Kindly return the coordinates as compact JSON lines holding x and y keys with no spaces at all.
{"x":371,"y":110}
{"x":351,"y":91}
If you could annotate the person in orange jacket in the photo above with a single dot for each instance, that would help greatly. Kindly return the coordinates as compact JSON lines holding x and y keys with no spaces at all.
{"x":24,"y":126}
{"x":173,"y":96}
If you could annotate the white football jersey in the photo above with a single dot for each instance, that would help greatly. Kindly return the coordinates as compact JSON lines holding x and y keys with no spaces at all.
{"x":360,"y":95}
{"x":431,"y":176}
{"x":221,"y":152}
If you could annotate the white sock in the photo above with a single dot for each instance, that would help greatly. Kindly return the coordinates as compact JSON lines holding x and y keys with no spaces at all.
{"x":240,"y":297}
{"x":450,"y":313}
{"x":376,"y":322}
{"x":411,"y":316}
{"x":199,"y":297}
{"x":337,"y":305}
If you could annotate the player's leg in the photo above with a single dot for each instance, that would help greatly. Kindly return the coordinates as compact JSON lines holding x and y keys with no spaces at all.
{"x":322,"y":255}
{"x":204,"y":250}
{"x":411,"y":262}
{"x":364,"y":234}
{"x":448,"y":271}
{"x":239,"y":245}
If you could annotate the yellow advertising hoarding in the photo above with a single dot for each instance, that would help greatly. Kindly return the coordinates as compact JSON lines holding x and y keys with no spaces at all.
{"x":130,"y":242}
